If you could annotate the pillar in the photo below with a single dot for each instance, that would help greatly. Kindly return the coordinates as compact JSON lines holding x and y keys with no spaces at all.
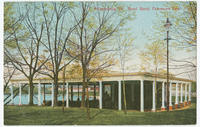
{"x":100,"y":94}
{"x":163,"y":97}
{"x":185,"y":103}
{"x":52,"y":95}
{"x":176,"y":100}
{"x":170,"y":96}
{"x":189,"y":93}
{"x":20,"y":94}
{"x":11,"y":95}
{"x":67,"y":94}
{"x":154,"y":98}
{"x":142,"y":95}
{"x":39,"y":94}
{"x":181,"y":102}
{"x":119,"y":96}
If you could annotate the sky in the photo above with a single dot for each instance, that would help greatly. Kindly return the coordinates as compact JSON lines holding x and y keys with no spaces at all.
{"x":141,"y":27}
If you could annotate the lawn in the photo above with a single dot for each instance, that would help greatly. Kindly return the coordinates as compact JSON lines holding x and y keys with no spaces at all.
{"x":33,"y":115}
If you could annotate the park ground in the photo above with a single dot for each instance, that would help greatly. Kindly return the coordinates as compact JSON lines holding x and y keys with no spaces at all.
{"x":34,"y":115}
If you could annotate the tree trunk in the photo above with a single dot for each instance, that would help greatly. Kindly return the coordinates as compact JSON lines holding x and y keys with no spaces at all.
{"x":84,"y":86}
{"x":44,"y":101}
{"x":63,"y":101}
{"x":72,"y":93}
{"x":124,"y":94}
{"x":31,"y":91}
{"x":87,"y":98}
{"x":155,"y":92}
{"x":83,"y":96}
{"x":56,"y":90}
{"x":78,"y":93}
{"x":63,"y":89}
{"x":95,"y":92}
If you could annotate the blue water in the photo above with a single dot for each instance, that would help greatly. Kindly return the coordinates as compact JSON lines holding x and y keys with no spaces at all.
{"x":24,"y":98}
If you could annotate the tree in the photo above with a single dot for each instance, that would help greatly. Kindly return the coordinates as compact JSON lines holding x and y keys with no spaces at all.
{"x":94,"y":29}
{"x":9,"y":72}
{"x":26,"y":56}
{"x":125,"y":46}
{"x":11,"y":25}
{"x":154,"y":57}
{"x":183,"y":33}
{"x":58,"y":30}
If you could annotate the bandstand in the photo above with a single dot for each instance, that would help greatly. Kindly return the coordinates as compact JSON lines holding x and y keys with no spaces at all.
{"x":107,"y":91}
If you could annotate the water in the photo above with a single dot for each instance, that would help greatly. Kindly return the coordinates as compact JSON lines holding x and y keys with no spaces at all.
{"x":48,"y":97}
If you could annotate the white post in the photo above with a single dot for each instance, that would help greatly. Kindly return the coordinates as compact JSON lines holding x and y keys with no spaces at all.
{"x":190,"y":93}
{"x":163,"y":96}
{"x":141,"y":95}
{"x":154,"y":99}
{"x":181,"y":93}
{"x":67,"y":94}
{"x":185,"y":94}
{"x":11,"y":92}
{"x":100,"y":94}
{"x":39,"y":94}
{"x":52,"y":95}
{"x":176,"y":101}
{"x":170,"y":94}
{"x":20,"y":94}
{"x":119,"y":95}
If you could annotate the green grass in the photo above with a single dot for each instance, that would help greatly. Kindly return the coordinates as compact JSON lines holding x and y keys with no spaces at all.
{"x":33,"y":115}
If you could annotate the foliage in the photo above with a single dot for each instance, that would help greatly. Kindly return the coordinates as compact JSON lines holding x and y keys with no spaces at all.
{"x":153,"y":56}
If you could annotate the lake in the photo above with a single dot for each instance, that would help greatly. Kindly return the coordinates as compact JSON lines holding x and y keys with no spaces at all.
{"x":35,"y":98}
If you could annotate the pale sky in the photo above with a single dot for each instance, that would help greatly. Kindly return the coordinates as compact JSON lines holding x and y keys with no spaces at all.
{"x":141,"y":27}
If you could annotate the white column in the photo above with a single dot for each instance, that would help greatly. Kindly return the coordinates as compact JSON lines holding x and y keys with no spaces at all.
{"x":141,"y":95}
{"x":52,"y":95}
{"x":119,"y":95}
{"x":100,"y":94}
{"x":181,"y":92}
{"x":154,"y":98}
{"x":185,"y":92}
{"x":163,"y":95}
{"x":39,"y":94}
{"x":170,"y":94}
{"x":176,"y":102}
{"x":11,"y":94}
{"x":67,"y":94}
{"x":28,"y":94}
{"x":190,"y":92}
{"x":20,"y":94}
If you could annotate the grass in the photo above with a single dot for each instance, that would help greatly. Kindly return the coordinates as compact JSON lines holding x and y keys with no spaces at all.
{"x":33,"y":115}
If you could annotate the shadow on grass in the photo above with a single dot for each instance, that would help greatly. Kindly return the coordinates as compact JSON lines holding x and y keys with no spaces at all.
{"x":96,"y":114}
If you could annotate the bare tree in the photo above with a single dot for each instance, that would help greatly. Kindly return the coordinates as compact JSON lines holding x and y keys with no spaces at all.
{"x":58,"y":30}
{"x":94,"y":29}
{"x":183,"y":34}
{"x":9,"y":72}
{"x":154,"y":57}
{"x":26,"y":56}
{"x":125,"y":46}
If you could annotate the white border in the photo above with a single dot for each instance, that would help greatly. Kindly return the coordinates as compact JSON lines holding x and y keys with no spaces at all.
{"x":1,"y":55}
